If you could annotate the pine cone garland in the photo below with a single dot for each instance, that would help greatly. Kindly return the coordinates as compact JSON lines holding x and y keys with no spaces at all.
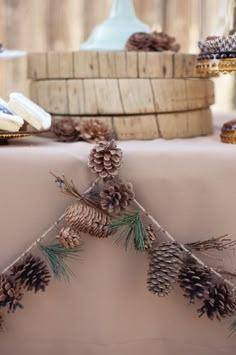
{"x":151,"y":237}
{"x":66,"y":130}
{"x":116,"y":195}
{"x":68,"y":238}
{"x":94,"y":131}
{"x":87,"y":219}
{"x":10,"y":295}
{"x":105,"y":159}
{"x":195,"y":280}
{"x":32,"y":273}
{"x":164,"y":266}
{"x":220,"y":303}
{"x":155,"y":41}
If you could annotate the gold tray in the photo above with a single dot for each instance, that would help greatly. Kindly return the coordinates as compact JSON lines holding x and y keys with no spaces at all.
{"x":216,"y":66}
{"x":5,"y":136}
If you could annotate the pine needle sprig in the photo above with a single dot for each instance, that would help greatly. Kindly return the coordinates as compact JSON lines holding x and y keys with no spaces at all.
{"x":132,"y":227}
{"x":55,"y":254}
{"x":232,"y":328}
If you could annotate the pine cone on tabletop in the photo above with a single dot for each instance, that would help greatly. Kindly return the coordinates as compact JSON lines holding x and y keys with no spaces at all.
{"x":32,"y":273}
{"x":105,"y":159}
{"x":220,"y":303}
{"x":87,"y":219}
{"x":116,"y":196}
{"x":94,"y":131}
{"x":195,"y":280}
{"x":66,"y":130}
{"x":68,"y":238}
{"x":164,"y":266}
{"x":10,"y":294}
{"x":155,"y":41}
{"x":139,"y":41}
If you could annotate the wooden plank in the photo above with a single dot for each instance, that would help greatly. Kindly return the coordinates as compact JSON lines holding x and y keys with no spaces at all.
{"x":60,"y":65}
{"x":136,"y":96}
{"x":173,"y":125}
{"x":37,"y":66}
{"x":108,"y":96}
{"x":76,"y":100}
{"x":86,"y":64}
{"x":112,"y":64}
{"x":155,"y":65}
{"x":199,"y":93}
{"x":169,"y":95}
{"x":136,"y":127}
{"x":57,"y":97}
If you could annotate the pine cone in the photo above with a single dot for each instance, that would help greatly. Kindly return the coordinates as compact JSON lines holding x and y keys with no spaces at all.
{"x":139,"y":41}
{"x":66,"y":130}
{"x":32,"y":273}
{"x":195,"y":280}
{"x":87,"y":219}
{"x":220,"y":303}
{"x":116,"y":195}
{"x":164,"y":266}
{"x":94,"y":131}
{"x":105,"y":159}
{"x":10,"y":294}
{"x":68,"y":238}
{"x":155,"y":41}
{"x":151,"y":237}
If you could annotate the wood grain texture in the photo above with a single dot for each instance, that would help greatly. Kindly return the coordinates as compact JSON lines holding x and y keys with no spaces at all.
{"x":152,"y":126}
{"x":123,"y":96}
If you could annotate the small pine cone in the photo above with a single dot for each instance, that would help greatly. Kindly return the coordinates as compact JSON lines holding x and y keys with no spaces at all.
{"x":195,"y":280}
{"x":94,"y":131}
{"x":151,"y":237}
{"x":68,"y":238}
{"x":139,"y":41}
{"x":220,"y":303}
{"x":105,"y":159}
{"x":165,"y":263}
{"x":116,"y":195}
{"x":10,"y":295}
{"x":32,"y":273}
{"x":163,"y":42}
{"x":66,"y":130}
{"x":87,"y":219}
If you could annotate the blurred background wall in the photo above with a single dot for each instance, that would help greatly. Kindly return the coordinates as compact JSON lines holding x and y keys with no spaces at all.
{"x":43,"y":25}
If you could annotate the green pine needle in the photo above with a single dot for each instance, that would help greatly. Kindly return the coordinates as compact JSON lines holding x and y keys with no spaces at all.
{"x":233,"y":327}
{"x":132,"y":227}
{"x":55,"y":255}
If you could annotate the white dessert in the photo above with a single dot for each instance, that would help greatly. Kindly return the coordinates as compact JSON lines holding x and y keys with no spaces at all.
{"x":29,"y":111}
{"x":9,"y":121}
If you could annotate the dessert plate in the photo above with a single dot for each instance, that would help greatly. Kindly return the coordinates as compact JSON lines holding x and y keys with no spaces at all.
{"x":5,"y":136}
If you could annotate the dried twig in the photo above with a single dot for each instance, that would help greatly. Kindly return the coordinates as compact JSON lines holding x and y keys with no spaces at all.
{"x":217,"y":243}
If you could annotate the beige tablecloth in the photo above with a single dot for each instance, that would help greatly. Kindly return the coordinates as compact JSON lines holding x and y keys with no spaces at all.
{"x":189,"y":185}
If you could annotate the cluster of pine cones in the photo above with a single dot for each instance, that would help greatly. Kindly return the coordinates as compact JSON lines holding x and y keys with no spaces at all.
{"x":169,"y":266}
{"x":69,"y":130}
{"x":155,"y":41}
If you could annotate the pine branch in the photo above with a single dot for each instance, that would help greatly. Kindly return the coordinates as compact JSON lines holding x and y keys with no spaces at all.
{"x":132,"y":227}
{"x":217,"y":243}
{"x":55,"y":255}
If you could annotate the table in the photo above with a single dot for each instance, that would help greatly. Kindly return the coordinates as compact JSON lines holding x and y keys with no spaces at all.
{"x":189,"y":185}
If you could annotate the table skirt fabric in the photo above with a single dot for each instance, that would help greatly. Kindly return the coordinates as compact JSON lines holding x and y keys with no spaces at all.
{"x":189,"y":185}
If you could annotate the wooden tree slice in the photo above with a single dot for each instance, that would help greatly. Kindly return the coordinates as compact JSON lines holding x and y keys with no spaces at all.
{"x":122,"y":96}
{"x":165,"y":125}
{"x":84,"y":65}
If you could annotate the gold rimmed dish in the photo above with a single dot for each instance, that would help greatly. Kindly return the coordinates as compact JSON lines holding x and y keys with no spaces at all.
{"x":5,"y":136}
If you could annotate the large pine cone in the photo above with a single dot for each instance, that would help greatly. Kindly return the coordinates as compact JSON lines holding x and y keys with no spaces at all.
{"x":10,"y":295}
{"x":164,"y":266}
{"x":66,"y":130}
{"x":94,"y":131}
{"x":32,"y":273}
{"x":116,"y":195}
{"x":220,"y":303}
{"x":105,"y":159}
{"x":87,"y":219}
{"x":155,"y":41}
{"x":195,"y":280}
{"x":68,"y":238}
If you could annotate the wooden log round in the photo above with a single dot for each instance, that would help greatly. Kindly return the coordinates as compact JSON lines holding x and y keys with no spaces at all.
{"x":85,"y":64}
{"x":122,"y":96}
{"x":165,"y":125}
